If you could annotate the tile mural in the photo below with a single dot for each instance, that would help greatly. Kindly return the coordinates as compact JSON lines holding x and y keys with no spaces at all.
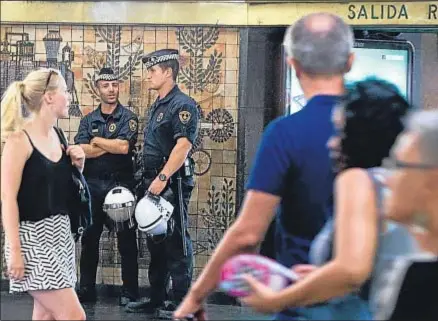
{"x":208,"y":73}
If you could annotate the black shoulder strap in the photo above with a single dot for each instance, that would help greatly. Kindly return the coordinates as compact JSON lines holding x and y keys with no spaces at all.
{"x":28,"y":137}
{"x":61,"y":136}
{"x":64,"y":143}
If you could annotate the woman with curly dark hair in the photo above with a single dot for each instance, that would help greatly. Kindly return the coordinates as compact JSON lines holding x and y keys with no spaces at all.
{"x":347,"y":252}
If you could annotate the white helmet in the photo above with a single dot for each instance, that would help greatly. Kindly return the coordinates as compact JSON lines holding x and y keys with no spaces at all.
{"x":152,"y":214}
{"x":119,"y":205}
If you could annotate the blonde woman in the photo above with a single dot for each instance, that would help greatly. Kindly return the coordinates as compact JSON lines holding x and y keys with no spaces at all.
{"x":36,"y":176}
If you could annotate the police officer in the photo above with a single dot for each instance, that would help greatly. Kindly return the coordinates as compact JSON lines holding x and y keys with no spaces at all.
{"x":108,"y":135}
{"x":168,"y":138}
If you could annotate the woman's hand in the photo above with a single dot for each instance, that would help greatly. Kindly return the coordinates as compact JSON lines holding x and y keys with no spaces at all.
{"x":16,"y":265}
{"x":303,"y":270}
{"x":262,"y":298}
{"x":77,"y":156}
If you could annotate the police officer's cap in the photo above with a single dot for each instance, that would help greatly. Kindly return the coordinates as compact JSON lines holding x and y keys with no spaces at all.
{"x":106,"y":74}
{"x":159,"y":56}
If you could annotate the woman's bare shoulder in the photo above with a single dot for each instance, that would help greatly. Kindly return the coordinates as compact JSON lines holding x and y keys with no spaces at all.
{"x":353,"y":177}
{"x":17,"y":143}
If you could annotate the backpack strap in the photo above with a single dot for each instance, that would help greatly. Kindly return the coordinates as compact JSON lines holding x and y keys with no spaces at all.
{"x":84,"y":218}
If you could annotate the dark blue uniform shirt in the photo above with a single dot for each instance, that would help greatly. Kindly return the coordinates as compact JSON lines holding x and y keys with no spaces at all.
{"x":170,"y":118}
{"x":121,"y":124}
{"x":293,"y":163}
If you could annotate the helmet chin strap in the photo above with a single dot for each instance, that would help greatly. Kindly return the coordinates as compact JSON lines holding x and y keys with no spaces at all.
{"x":157,"y":239}
{"x":119,"y":205}
{"x":153,"y":214}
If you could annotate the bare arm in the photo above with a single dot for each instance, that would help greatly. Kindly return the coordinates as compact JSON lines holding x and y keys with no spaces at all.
{"x":244,"y":236}
{"x":177,"y":156}
{"x":113,"y":146}
{"x":265,"y":186}
{"x":83,"y":138}
{"x":15,"y":154}
{"x":355,"y":246}
{"x":92,"y":151}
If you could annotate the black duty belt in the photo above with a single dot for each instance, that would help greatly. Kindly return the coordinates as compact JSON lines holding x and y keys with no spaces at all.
{"x":108,"y":176}
{"x":151,"y":172}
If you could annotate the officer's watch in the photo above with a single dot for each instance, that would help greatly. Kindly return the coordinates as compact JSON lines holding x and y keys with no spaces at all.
{"x":162,"y":177}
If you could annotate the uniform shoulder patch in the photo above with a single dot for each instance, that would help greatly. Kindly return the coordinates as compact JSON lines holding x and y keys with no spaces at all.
{"x":184,"y":116}
{"x":133,"y":125}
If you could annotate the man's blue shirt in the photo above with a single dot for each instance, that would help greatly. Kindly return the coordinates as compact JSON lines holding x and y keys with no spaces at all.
{"x":293,"y":163}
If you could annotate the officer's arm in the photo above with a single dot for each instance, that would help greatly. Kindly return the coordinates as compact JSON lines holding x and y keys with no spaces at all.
{"x":125,"y":140}
{"x":177,"y":156}
{"x":92,"y":151}
{"x":185,"y":125}
{"x":112,"y":146}
{"x":83,"y":138}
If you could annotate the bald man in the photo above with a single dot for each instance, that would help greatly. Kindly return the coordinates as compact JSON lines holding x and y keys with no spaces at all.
{"x":292,"y":170}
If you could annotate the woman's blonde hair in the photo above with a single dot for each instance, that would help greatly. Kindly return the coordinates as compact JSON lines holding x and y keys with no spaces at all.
{"x":29,"y":93}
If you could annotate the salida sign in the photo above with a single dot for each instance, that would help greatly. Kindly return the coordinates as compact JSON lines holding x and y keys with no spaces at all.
{"x":386,"y":12}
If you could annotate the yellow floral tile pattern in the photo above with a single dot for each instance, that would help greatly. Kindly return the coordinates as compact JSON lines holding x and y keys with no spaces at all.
{"x":209,"y":69}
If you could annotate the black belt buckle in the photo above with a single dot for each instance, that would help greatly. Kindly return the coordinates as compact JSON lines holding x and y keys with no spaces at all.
{"x":102,"y":176}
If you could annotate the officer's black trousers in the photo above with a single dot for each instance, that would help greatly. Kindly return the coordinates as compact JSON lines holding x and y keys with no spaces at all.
{"x":127,"y":243}
{"x":167,"y":257}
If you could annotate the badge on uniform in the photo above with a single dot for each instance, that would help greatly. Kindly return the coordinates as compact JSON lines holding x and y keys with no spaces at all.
{"x":160,"y":117}
{"x":184,"y":116}
{"x":112,"y":127}
{"x":133,"y":125}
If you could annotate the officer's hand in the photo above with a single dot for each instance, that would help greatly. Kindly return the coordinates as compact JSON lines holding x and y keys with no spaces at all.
{"x":94,"y":141}
{"x":157,"y":186}
{"x":77,"y":156}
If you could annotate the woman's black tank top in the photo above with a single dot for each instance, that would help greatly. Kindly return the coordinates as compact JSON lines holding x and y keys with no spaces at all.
{"x":46,"y":186}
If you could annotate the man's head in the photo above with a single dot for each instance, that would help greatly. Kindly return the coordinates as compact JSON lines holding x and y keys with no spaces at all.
{"x":414,"y":164}
{"x":162,"y":67}
{"x":107,"y":85}
{"x":319,"y":45}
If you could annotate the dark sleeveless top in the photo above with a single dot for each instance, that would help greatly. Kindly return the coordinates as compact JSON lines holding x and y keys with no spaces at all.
{"x":46,"y":186}
{"x":407,"y":288}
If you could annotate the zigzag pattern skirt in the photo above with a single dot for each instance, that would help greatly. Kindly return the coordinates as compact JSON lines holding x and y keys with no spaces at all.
{"x":48,"y":251}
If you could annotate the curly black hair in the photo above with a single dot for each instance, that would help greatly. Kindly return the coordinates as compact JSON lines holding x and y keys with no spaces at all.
{"x":374,"y":112}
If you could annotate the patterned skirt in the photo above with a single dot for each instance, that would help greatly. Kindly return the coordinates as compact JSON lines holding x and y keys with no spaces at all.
{"x":48,"y":252}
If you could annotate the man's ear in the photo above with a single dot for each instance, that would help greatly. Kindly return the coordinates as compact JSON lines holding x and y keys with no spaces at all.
{"x":169,"y":73}
{"x":350,"y":62}
{"x":97,"y":86}
{"x":295,"y":65}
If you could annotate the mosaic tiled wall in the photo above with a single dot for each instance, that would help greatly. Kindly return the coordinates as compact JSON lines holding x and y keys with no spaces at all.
{"x":209,"y":74}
